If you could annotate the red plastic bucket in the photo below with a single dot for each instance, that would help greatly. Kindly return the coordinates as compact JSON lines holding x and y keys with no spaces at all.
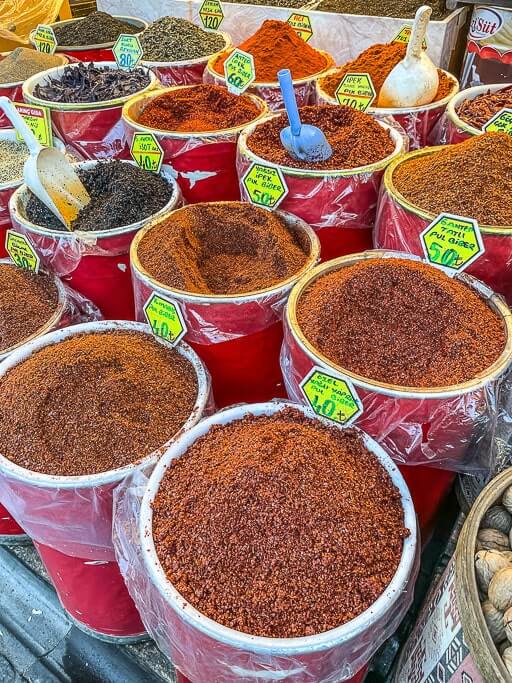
{"x":93,"y":130}
{"x":238,"y":337}
{"x":70,"y":517}
{"x":418,"y":122}
{"x":96,"y":264}
{"x":92,"y":53}
{"x":205,"y":163}
{"x":340,"y":206}
{"x":456,"y":129}
{"x":203,"y":650}
{"x":400,"y":223}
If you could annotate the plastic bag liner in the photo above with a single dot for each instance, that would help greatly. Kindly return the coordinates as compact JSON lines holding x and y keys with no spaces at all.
{"x":94,"y":263}
{"x":205,"y":163}
{"x":339,"y":205}
{"x":238,"y":336}
{"x":94,"y":130}
{"x":204,"y":650}
{"x":418,"y":122}
{"x":70,"y":517}
{"x":399,"y":225}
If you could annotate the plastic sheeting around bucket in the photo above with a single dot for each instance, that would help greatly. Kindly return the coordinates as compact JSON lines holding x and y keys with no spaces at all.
{"x":205,"y":163}
{"x":72,"y":515}
{"x":92,"y":130}
{"x":238,"y":337}
{"x":340,"y":206}
{"x":418,"y":122}
{"x":400,"y":223}
{"x":97,"y":264}
{"x":416,"y":426}
{"x":203,"y":650}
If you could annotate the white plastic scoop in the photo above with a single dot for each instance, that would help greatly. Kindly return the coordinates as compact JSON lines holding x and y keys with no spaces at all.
{"x":413,"y":81}
{"x":48,"y":173}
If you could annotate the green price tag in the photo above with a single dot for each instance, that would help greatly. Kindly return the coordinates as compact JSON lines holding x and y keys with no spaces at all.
{"x":404,"y":35}
{"x":21,"y":251}
{"x":127,"y":51}
{"x":356,"y":91}
{"x":239,"y":71}
{"x":265,"y":185}
{"x":452,"y":242}
{"x":146,"y":152}
{"x":301,"y":23}
{"x":501,"y":122}
{"x":165,"y":318}
{"x":38,"y":120}
{"x":44,"y":39}
{"x":331,"y":396}
{"x":211,"y":14}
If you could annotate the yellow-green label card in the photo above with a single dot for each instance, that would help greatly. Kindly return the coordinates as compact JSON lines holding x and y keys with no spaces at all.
{"x":356,"y":91}
{"x":331,"y":396}
{"x":38,"y":120}
{"x":211,"y":14}
{"x":404,"y":36}
{"x":21,"y":251}
{"x":165,"y":318}
{"x":44,"y":39}
{"x":501,"y":122}
{"x":301,"y":23}
{"x":265,"y":185}
{"x":127,"y":51}
{"x":452,"y":242}
{"x":239,"y":71}
{"x":146,"y":152}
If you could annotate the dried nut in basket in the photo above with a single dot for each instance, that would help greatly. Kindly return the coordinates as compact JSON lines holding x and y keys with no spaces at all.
{"x":507,"y":620}
{"x":487,"y":563}
{"x":500,"y":589}
{"x":494,"y":620}
{"x":506,"y":656}
{"x":503,"y":646}
{"x":497,"y":517}
{"x":506,"y":499}
{"x":492,"y":539}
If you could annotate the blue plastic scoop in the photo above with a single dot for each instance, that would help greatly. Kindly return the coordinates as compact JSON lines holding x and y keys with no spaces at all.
{"x":303,"y":141}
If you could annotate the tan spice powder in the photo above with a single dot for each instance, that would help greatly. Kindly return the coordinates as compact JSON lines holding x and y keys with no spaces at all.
{"x":228,"y":248}
{"x":401,"y":322}
{"x":94,"y":402}
{"x":278,"y":525}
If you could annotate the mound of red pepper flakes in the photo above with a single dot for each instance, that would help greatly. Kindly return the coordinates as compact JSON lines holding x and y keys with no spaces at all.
{"x":279,"y":525}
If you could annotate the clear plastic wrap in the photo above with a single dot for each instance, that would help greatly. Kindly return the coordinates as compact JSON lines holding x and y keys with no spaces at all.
{"x":21,"y":16}
{"x":203,"y":650}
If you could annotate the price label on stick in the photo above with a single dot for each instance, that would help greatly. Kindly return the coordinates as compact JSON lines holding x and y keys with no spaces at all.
{"x":239,"y":71}
{"x":38,"y":120}
{"x":404,"y":35}
{"x":356,"y":91}
{"x":21,"y":251}
{"x":501,"y":122}
{"x":127,"y":51}
{"x":331,"y":396}
{"x":301,"y":24}
{"x":165,"y":318}
{"x":211,"y":14}
{"x":146,"y":152}
{"x":452,"y":242}
{"x":265,"y":185}
{"x":44,"y":39}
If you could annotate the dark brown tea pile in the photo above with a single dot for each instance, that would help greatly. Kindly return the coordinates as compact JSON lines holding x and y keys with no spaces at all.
{"x":94,"y":402}
{"x":27,"y":302}
{"x":403,"y":323}
{"x":279,"y":526}
{"x":94,"y":29}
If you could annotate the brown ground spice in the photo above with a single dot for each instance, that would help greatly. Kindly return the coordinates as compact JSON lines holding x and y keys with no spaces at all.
{"x":94,"y":402}
{"x":279,"y":526}
{"x":478,"y":111}
{"x":356,"y":138}
{"x":408,"y":324}
{"x":27,"y":302}
{"x":228,"y":248}
{"x":199,"y":109}
{"x":473,"y":179}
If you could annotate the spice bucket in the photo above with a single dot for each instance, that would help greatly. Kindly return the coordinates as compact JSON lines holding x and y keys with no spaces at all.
{"x":204,"y":650}
{"x":92,"y":53}
{"x":70,"y":517}
{"x":237,"y":336}
{"x":96,"y":264}
{"x":456,"y":129}
{"x":400,"y":223}
{"x":418,"y":122}
{"x":339,"y":205}
{"x":94,"y":130}
{"x":271,"y":92}
{"x":184,"y":72}
{"x":205,"y":163}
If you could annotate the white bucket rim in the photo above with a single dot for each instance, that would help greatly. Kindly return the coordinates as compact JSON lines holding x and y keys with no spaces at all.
{"x":40,"y":479}
{"x":190,"y":62}
{"x":494,"y":301}
{"x":10,"y":134}
{"x":238,"y":639}
{"x":135,"y":21}
{"x":470,"y":94}
{"x":16,"y":84}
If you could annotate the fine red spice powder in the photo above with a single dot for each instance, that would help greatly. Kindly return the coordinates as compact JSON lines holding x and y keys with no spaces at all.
{"x":403,"y":322}
{"x":94,"y":402}
{"x":27,"y":303}
{"x":278,"y":525}
{"x":200,"y":108}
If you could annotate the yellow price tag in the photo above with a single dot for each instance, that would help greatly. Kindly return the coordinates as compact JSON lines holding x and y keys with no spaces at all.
{"x":21,"y":251}
{"x":44,"y":39}
{"x":404,"y":35}
{"x":38,"y":120}
{"x":356,"y":91}
{"x":165,"y":318}
{"x":146,"y":152}
{"x":452,"y":242}
{"x":239,"y":71}
{"x":211,"y":14}
{"x":501,"y":122}
{"x":265,"y":185}
{"x":331,"y":396}
{"x":301,"y":24}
